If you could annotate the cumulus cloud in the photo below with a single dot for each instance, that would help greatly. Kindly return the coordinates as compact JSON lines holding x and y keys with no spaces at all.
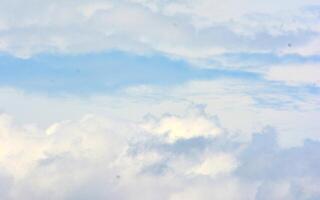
{"x":216,"y":164}
{"x":286,"y":173}
{"x":107,"y":158}
{"x":195,"y":123}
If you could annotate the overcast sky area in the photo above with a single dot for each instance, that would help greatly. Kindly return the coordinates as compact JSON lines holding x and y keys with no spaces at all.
{"x":159,"y":99}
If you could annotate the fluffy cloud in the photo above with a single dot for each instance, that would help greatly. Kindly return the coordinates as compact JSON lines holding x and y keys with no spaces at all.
{"x":195,"y":29}
{"x":98,"y":158}
{"x":286,"y":173}
{"x":194,"y":124}
{"x":216,"y":164}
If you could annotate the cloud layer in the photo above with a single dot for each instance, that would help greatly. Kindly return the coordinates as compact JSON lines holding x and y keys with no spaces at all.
{"x":103,"y":158}
{"x":193,"y":29}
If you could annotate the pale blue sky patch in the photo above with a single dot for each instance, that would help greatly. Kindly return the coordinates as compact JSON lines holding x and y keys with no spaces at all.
{"x":103,"y":72}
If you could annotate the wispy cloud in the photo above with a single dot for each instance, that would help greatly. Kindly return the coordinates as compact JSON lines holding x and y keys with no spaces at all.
{"x":303,"y":74}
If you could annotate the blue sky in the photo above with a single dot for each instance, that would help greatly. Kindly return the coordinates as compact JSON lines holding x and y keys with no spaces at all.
{"x":103,"y":72}
{"x":159,"y":99}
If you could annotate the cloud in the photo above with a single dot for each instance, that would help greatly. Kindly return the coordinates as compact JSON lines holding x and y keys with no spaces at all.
{"x":193,"y":30}
{"x":305,"y":74}
{"x":6,"y":183}
{"x":100,"y":146}
{"x":242,"y":104}
{"x":98,"y":157}
{"x":216,"y":164}
{"x":286,"y":173}
{"x":194,"y":124}
{"x":63,"y":161}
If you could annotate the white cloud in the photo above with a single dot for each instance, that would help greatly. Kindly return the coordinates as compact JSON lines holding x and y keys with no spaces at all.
{"x":90,"y":9}
{"x":227,"y":189}
{"x":98,"y":157}
{"x":195,"y":29}
{"x":275,"y":190}
{"x":220,"y":163}
{"x":175,"y":153}
{"x":305,"y":74}
{"x":194,"y":124}
{"x":242,"y":106}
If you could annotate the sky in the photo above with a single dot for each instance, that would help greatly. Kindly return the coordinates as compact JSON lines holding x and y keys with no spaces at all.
{"x":159,"y":99}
